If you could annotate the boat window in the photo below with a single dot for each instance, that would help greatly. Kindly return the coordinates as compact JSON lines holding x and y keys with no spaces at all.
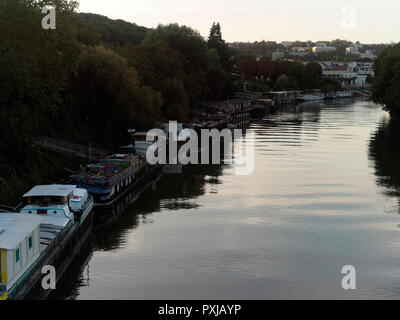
{"x":47,"y":201}
{"x":17,"y":256}
{"x":2,"y":281}
{"x":30,"y":243}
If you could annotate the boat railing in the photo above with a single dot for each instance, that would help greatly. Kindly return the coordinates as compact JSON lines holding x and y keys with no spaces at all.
{"x":5,"y":209}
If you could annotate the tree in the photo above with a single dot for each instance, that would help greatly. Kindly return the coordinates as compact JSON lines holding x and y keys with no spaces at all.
{"x":218,"y":78}
{"x":282,"y":83}
{"x":35,"y":67}
{"x":266,"y":68}
{"x":193,"y":49}
{"x":117,"y":32}
{"x":216,"y":42}
{"x":248,"y":67}
{"x":329,"y":85}
{"x":386,"y":83}
{"x":160,"y":67}
{"x":108,"y":92}
{"x":313,"y":73}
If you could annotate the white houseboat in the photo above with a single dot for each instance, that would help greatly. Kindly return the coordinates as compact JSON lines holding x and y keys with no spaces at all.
{"x":58,"y":204}
{"x":60,"y":219}
{"x":19,"y":248}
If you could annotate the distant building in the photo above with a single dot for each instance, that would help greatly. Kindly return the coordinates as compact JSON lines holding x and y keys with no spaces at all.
{"x":301,"y":49}
{"x":348,"y":74}
{"x":298,"y":54}
{"x":354,"y":50}
{"x":287,"y":44}
{"x":319,"y":49}
{"x":369,"y":54}
{"x":278,"y":55}
{"x":321,"y":43}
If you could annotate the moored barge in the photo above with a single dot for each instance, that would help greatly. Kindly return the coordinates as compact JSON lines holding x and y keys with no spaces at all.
{"x":113,"y":177}
{"x":49,"y":230}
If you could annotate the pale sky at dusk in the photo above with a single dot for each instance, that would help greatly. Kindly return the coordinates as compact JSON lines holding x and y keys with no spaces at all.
{"x":251,"y":20}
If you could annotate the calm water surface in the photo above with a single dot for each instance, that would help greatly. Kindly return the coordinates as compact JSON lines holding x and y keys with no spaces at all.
{"x":324,"y":194}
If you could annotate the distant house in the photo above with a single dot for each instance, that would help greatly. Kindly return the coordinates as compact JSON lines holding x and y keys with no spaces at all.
{"x":354,"y":50}
{"x":319,"y":49}
{"x":287,"y":44}
{"x":321,"y":43}
{"x":348,"y":74}
{"x":342,"y":73}
{"x":278,"y":55}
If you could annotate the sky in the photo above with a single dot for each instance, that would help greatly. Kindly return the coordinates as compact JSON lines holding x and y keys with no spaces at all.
{"x":367,"y":21}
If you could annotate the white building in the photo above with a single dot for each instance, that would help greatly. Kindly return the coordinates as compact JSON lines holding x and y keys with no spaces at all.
{"x":321,"y":43}
{"x":319,"y":49}
{"x":349,"y":74}
{"x":301,"y":49}
{"x":352,"y":50}
{"x":278,"y":55}
{"x":19,"y":246}
{"x":298,"y":53}
{"x":287,"y":44}
{"x":370,"y":54}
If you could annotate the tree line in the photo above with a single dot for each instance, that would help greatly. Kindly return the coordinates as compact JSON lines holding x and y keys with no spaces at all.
{"x":386,"y":82}
{"x":92,"y":78}
{"x":267,"y":74}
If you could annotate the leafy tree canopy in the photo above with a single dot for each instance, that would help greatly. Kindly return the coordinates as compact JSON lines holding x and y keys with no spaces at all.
{"x":386,"y":84}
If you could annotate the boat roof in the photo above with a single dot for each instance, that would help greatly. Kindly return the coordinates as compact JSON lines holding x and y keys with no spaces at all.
{"x":15,"y":227}
{"x":53,"y":190}
{"x":61,"y":222}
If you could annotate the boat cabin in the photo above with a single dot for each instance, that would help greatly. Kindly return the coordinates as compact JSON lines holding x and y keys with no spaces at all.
{"x":56,"y":203}
{"x":19,"y":246}
{"x":141,"y":142}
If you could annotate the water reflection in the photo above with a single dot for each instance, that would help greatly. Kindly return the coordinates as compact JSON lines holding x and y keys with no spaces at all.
{"x":76,"y":276}
{"x":384,"y":151}
{"x":311,"y":206}
{"x":169,"y":192}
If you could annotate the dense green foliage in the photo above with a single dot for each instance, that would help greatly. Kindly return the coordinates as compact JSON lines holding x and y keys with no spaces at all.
{"x":283,"y":74}
{"x":91,"y":79}
{"x":118,"y":32}
{"x":386,"y":83}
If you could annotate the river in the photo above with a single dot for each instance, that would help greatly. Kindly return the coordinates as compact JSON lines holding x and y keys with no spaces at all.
{"x":324,"y":194}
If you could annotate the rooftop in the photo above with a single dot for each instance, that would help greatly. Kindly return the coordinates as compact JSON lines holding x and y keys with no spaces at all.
{"x":15,"y":227}
{"x":53,"y":190}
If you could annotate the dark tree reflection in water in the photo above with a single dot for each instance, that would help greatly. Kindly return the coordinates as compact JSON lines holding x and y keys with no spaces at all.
{"x":384,"y":150}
